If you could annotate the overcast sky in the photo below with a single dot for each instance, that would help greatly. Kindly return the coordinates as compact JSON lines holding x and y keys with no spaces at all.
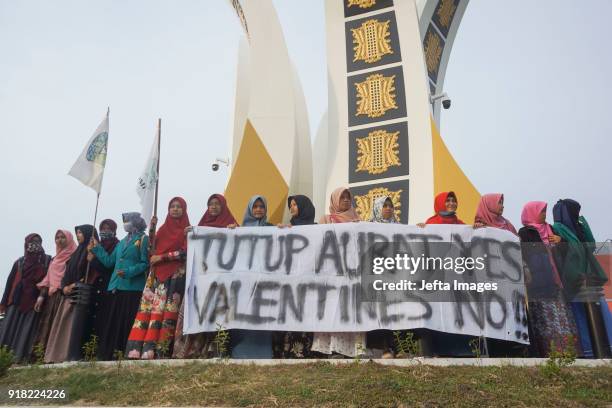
{"x":528,"y":82}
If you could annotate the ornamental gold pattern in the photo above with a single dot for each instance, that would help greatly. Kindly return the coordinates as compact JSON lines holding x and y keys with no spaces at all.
{"x":378,"y":151}
{"x":361,"y":3}
{"x":446,"y":11}
{"x":375,"y":95}
{"x":433,"y":51}
{"x":372,"y":41}
{"x":364,"y":203}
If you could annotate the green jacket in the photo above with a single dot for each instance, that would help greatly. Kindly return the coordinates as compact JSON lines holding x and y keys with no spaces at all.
{"x":579,"y":264}
{"x":131,"y":257}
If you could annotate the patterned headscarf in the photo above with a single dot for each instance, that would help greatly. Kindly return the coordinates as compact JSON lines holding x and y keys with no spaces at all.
{"x":377,"y":209}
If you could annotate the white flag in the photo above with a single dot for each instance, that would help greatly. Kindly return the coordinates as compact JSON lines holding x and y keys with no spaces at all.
{"x":148,"y":180}
{"x":89,"y":167}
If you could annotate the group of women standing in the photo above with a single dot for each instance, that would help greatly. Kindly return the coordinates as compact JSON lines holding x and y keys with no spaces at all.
{"x":132,"y":300}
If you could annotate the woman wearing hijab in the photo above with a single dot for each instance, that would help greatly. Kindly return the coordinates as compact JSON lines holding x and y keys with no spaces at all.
{"x":489,"y":213}
{"x":155,"y":321}
{"x":579,"y":270}
{"x":101,"y":274}
{"x":217,"y":215}
{"x":439,"y":343}
{"x":68,"y":328}
{"x":383,"y":211}
{"x":50,"y":297}
{"x":549,"y":315}
{"x":445,"y":206}
{"x":253,"y":343}
{"x":130,"y":262}
{"x":347,"y":343}
{"x":20,"y":294}
{"x":301,"y":209}
{"x":295,"y":344}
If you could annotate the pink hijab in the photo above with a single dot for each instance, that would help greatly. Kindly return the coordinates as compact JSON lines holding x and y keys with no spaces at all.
{"x":530,"y":218}
{"x":485,"y":213}
{"x":57,"y":267}
{"x":335,"y":216}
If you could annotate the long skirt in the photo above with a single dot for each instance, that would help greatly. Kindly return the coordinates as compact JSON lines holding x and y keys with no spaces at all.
{"x":117,"y":313}
{"x":191,"y":345}
{"x":18,"y":332}
{"x":292,"y":344}
{"x":47,"y":315}
{"x":349,"y":344}
{"x":58,"y":344}
{"x":155,"y":324}
{"x":553,"y":324}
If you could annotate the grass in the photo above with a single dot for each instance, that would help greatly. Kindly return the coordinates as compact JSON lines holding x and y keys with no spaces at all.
{"x":319,"y":384}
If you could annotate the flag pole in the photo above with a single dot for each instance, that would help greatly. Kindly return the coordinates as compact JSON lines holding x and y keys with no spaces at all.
{"x":152,"y":227}
{"x":95,"y":213}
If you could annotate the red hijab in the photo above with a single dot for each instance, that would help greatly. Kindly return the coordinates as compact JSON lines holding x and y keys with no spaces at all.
{"x":440,"y":208}
{"x":222,"y":220}
{"x":170,"y":238}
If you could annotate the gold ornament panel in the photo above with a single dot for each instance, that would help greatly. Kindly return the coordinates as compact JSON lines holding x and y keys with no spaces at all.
{"x":371,"y":41}
{"x":433,"y":45}
{"x":364,"y":4}
{"x":376,"y":95}
{"x":378,"y":151}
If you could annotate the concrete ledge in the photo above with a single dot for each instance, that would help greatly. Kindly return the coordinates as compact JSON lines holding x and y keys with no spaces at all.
{"x":397,"y":362}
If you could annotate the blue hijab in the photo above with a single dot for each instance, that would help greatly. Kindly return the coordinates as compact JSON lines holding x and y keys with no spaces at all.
{"x":249,"y":220}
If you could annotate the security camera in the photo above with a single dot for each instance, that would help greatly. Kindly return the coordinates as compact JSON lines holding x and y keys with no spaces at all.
{"x":443,"y":97}
{"x":217,"y":162}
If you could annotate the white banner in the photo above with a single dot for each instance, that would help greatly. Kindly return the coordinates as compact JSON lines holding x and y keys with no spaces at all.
{"x":310,"y":279}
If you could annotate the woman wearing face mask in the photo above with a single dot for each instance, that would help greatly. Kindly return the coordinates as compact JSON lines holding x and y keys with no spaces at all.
{"x":489,"y":213}
{"x":346,"y":343}
{"x":68,"y":330}
{"x":445,"y":206}
{"x":159,"y":306}
{"x":50,"y":297}
{"x":130,"y":262}
{"x":253,"y":343}
{"x":439,"y":343}
{"x":101,"y":274}
{"x":20,"y":294}
{"x":217,"y":215}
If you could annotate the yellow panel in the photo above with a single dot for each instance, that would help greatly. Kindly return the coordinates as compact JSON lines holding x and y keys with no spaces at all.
{"x":448,"y":176}
{"x":254,"y":173}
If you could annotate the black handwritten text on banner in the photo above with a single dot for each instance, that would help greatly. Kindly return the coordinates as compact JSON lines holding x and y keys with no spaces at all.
{"x":308,"y":278}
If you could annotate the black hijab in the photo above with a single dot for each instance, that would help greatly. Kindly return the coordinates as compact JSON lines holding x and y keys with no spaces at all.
{"x":77,"y":264}
{"x":567,"y":212}
{"x":306,"y":210}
